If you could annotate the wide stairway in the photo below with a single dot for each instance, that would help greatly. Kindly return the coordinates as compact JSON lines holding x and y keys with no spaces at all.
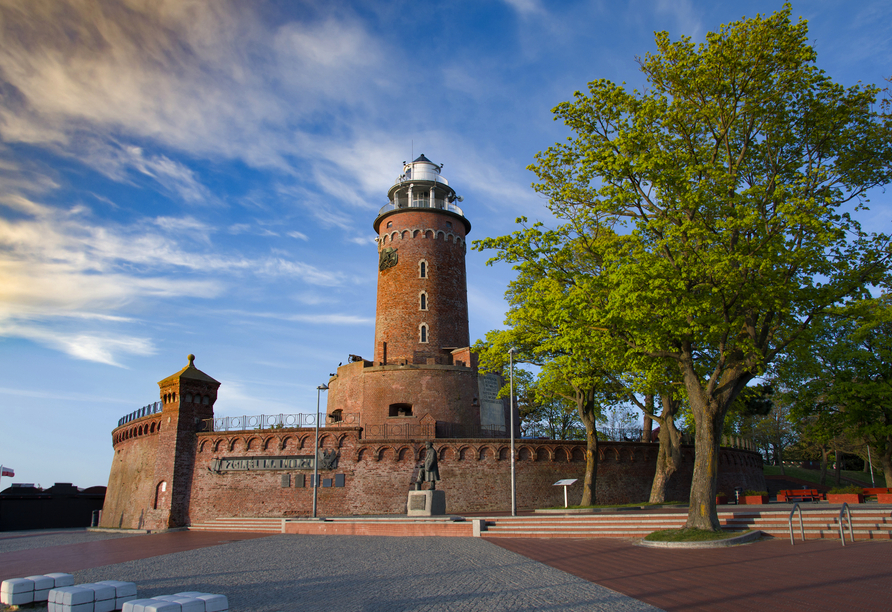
{"x":867,"y":524}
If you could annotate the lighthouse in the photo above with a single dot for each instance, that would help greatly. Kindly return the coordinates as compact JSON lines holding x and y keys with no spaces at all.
{"x":422,"y":301}
{"x":422,"y":379}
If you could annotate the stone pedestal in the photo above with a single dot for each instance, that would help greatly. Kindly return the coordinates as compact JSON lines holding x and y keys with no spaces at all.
{"x":426,"y":503}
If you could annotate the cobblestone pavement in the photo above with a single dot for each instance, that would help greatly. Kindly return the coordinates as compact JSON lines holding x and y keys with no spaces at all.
{"x":368,"y":574}
{"x":11,"y":541}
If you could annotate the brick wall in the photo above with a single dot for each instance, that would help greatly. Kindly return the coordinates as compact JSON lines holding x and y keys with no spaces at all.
{"x":421,"y":234}
{"x":476,"y":474}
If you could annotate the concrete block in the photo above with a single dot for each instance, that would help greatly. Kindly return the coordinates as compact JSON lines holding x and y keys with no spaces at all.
{"x":17,"y":599}
{"x":61,"y":580}
{"x":17,"y":585}
{"x":479,"y":526}
{"x":214,"y":603}
{"x":104,"y":605}
{"x":122,"y":589}
{"x":42,"y":583}
{"x":137,"y":605}
{"x":189,"y":604}
{"x":159,"y":605}
{"x":72,"y":596}
{"x":101,"y":592}
{"x":190,"y":594}
{"x":17,"y":591}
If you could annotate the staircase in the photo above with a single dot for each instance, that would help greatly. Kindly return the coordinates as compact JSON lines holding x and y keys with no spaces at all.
{"x":818,"y":523}
{"x":238,"y":523}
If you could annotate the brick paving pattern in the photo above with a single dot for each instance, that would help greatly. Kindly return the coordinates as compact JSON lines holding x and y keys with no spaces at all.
{"x":766,"y":575}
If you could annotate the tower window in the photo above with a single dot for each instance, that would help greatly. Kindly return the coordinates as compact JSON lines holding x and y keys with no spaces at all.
{"x":423,"y":301}
{"x":423,"y":333}
{"x":390,"y":224}
{"x":400,"y":410}
{"x":422,"y":269}
{"x":449,"y":224}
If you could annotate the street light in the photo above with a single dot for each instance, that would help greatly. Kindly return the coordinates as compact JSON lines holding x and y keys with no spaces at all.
{"x":319,"y":391}
{"x":511,"y":352}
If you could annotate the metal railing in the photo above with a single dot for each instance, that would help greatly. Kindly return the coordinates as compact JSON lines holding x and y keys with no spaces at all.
{"x":405,"y":431}
{"x":845,"y":508}
{"x":150,"y":409}
{"x":276,"y":421}
{"x":438,"y":205}
{"x":801,"y":527}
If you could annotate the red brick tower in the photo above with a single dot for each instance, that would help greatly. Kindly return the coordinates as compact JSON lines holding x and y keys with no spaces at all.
{"x":422,"y":308}
{"x":188,"y":399}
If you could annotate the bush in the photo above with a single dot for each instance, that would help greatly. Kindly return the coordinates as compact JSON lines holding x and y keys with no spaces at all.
{"x":720,"y":494}
{"x":753,"y":493}
{"x":850,"y":490}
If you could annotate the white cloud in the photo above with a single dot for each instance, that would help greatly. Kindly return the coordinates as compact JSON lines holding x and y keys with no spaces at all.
{"x":297,"y":235}
{"x":105,"y":348}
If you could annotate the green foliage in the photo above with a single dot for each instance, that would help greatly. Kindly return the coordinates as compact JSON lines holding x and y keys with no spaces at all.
{"x":850,"y":490}
{"x":755,"y":493}
{"x":708,"y":213}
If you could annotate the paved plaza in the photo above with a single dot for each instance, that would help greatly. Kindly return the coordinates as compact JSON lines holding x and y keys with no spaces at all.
{"x":260,"y":572}
{"x":334,"y":573}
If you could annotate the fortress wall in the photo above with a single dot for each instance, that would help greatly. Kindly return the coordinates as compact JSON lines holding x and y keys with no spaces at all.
{"x":475,"y":473}
{"x":130,"y":497}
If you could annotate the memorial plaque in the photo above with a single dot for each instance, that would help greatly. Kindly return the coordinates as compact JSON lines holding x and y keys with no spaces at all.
{"x":417,"y":502}
{"x":286,"y":481}
{"x":492,"y":408}
{"x":300,"y":481}
{"x":236,"y":464}
{"x":339,"y":480}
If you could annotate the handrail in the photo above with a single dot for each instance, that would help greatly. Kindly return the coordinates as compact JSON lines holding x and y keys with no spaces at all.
{"x":845,"y":508}
{"x":801,"y":528}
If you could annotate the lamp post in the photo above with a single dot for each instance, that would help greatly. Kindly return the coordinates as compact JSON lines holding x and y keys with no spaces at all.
{"x":319,"y":391}
{"x":511,"y":416}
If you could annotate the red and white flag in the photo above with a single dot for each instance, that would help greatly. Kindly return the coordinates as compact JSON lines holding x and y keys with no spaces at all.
{"x":5,"y":471}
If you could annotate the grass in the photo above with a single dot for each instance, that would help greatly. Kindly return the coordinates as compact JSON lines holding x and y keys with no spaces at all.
{"x":814,"y":476}
{"x":692,"y":535}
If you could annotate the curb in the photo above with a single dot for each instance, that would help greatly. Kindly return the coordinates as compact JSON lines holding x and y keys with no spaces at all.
{"x":746,"y":538}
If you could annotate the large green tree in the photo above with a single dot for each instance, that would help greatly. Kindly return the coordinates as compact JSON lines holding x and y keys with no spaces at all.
{"x":844,"y":380}
{"x":726,"y":184}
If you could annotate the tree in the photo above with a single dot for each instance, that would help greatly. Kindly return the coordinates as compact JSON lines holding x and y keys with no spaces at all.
{"x":552,"y":302}
{"x":543,"y":414}
{"x":715,"y":199}
{"x":846,"y":375}
{"x":543,"y":330}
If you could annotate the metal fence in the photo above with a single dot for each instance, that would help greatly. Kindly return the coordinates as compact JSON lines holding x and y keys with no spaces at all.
{"x":276,"y":421}
{"x":138,"y":414}
{"x":405,"y":431}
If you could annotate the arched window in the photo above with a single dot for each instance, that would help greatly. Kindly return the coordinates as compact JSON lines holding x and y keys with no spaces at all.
{"x":422,"y":269}
{"x":424,"y":333}
{"x":423,"y":301}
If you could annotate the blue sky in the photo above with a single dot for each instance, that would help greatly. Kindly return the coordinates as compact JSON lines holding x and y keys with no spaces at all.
{"x":201,"y":177}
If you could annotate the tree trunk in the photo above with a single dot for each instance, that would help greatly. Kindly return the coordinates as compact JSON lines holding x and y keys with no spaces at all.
{"x":585,"y":407}
{"x":824,"y":452}
{"x":702,"y":513}
{"x":838,"y":467}
{"x":886,"y":462}
{"x":669,"y":455}
{"x":647,"y":431}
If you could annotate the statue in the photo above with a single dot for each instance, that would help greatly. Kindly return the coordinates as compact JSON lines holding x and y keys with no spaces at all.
{"x":429,"y":472}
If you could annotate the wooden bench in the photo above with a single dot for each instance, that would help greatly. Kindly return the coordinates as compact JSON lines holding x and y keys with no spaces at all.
{"x":874,"y":492}
{"x":792,"y":495}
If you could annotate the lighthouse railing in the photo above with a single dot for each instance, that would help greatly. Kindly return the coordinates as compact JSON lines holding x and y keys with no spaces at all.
{"x":437,"y":205}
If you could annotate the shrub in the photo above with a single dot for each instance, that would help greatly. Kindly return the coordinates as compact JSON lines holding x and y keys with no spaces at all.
{"x":850,"y":490}
{"x":752,"y":493}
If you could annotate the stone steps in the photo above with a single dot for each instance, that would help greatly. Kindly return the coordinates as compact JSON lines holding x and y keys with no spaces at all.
{"x":817,"y":524}
{"x":241,"y":523}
